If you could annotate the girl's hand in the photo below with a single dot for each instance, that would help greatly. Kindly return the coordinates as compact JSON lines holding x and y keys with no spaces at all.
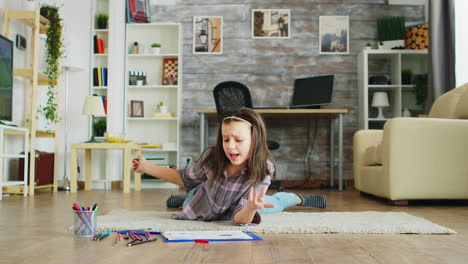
{"x":139,"y":165}
{"x":255,"y":200}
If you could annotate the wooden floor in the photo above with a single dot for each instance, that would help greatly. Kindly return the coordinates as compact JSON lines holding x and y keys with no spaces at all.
{"x":35,"y":230}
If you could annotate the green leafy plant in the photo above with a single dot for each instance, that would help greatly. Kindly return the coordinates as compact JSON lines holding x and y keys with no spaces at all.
{"x":100,"y":127}
{"x":155,"y":45}
{"x":391,"y":28}
{"x":158,"y":106}
{"x":406,"y":76}
{"x":101,"y":20}
{"x":54,"y":52}
{"x":420,"y":89}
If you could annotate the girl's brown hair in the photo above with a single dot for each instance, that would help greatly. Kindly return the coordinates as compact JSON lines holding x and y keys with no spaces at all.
{"x":260,"y":156}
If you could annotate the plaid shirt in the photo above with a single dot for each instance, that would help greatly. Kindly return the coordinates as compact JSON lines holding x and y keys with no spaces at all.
{"x":219,"y":202}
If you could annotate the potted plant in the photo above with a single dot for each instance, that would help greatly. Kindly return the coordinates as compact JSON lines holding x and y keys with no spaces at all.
{"x":54,"y":52}
{"x":100,"y":127}
{"x":161,"y":107}
{"x":139,"y":81}
{"x":101,"y":20}
{"x":368,"y":46}
{"x":420,"y":90}
{"x":406,"y":76}
{"x":155,"y":48}
{"x":391,"y":31}
{"x":170,"y":77}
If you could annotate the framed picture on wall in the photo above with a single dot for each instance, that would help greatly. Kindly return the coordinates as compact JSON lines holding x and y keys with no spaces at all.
{"x":138,"y":11}
{"x":271,"y":23}
{"x":136,"y":108}
{"x":208,"y":35}
{"x":334,"y":34}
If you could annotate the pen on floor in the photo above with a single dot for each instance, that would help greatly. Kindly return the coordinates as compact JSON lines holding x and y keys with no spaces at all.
{"x":103,"y":236}
{"x":141,"y":242}
{"x":150,"y":159}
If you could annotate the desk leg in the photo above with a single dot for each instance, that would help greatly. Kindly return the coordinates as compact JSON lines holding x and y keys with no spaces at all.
{"x":73,"y":169}
{"x":137,"y":175}
{"x":332,"y":152}
{"x":307,"y":155}
{"x":202,"y":132}
{"x":340,"y":152}
{"x":126,"y":168}
{"x":88,"y":177}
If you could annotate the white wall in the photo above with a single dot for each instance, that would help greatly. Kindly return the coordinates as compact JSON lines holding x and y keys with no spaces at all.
{"x":76,"y":17}
{"x":461,"y":40}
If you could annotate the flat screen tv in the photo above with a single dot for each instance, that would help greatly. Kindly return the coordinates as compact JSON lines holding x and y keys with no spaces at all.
{"x":312,"y":92}
{"x":6,"y":78}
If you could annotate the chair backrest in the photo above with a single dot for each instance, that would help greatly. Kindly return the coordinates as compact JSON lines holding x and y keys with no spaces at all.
{"x":231,"y":95}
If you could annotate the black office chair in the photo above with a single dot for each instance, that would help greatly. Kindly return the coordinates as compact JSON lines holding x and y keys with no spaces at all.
{"x":233,"y":95}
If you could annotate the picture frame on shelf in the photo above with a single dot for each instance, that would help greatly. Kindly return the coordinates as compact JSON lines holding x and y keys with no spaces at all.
{"x":138,"y":11}
{"x":334,"y":35}
{"x":271,"y":24}
{"x":136,"y":108}
{"x":170,"y":71}
{"x":207,"y":35}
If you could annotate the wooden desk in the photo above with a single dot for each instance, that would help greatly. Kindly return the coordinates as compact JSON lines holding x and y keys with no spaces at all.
{"x":127,"y":149}
{"x":331,"y":114}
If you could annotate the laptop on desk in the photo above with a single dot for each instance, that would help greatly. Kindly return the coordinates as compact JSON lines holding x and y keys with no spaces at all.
{"x":312,"y":92}
{"x":309,"y":92}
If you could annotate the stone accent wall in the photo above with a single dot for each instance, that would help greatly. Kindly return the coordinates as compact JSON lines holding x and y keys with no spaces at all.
{"x":269,"y":67}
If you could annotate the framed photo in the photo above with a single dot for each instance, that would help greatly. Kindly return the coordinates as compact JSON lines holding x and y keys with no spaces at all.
{"x":136,"y":108}
{"x":138,"y":11}
{"x":208,"y":35}
{"x":334,"y":34}
{"x":271,"y":23}
{"x":170,"y":71}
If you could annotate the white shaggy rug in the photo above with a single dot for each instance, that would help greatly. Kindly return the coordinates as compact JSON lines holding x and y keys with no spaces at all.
{"x":333,"y":222}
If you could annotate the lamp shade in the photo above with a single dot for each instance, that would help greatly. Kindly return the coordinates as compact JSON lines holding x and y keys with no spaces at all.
{"x":93,"y":106}
{"x":380,"y":99}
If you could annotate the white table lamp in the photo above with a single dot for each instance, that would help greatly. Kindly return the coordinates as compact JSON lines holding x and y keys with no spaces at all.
{"x":380,"y":100}
{"x":93,"y":106}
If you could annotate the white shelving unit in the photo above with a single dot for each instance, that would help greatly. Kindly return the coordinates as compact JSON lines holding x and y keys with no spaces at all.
{"x":148,"y":130}
{"x":5,"y":133}
{"x":389,"y":63}
{"x":98,"y":59}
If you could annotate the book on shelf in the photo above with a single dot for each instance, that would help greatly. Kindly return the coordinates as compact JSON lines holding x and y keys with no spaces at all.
{"x":100,"y":76}
{"x":150,"y":145}
{"x":98,"y":45}
{"x":162,"y":115}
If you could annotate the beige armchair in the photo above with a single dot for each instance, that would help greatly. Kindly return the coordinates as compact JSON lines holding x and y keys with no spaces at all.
{"x":417,"y":158}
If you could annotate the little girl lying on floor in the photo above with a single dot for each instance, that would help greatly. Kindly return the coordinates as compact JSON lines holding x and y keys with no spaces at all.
{"x":231,"y":179}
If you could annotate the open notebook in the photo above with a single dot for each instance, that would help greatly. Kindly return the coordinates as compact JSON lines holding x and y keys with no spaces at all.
{"x":181,"y":236}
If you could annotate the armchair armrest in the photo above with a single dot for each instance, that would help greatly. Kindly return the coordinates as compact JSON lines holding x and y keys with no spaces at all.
{"x":421,"y":154}
{"x":362,"y":140}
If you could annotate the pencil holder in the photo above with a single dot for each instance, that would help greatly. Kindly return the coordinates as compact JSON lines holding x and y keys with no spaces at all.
{"x":85,"y":223}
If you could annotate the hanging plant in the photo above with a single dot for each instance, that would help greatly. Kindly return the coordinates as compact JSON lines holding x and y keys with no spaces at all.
{"x":54,"y":52}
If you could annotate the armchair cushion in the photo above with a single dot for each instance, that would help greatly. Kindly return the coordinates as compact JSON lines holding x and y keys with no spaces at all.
{"x":461,"y":111}
{"x":373,"y":155}
{"x":450,"y":103}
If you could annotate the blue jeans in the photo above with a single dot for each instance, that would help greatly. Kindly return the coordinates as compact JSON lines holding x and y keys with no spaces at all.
{"x":281,"y":201}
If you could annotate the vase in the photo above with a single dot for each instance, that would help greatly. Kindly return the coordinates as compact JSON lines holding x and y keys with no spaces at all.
{"x":163,"y":109}
{"x":169,"y":81}
{"x":155,"y":51}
